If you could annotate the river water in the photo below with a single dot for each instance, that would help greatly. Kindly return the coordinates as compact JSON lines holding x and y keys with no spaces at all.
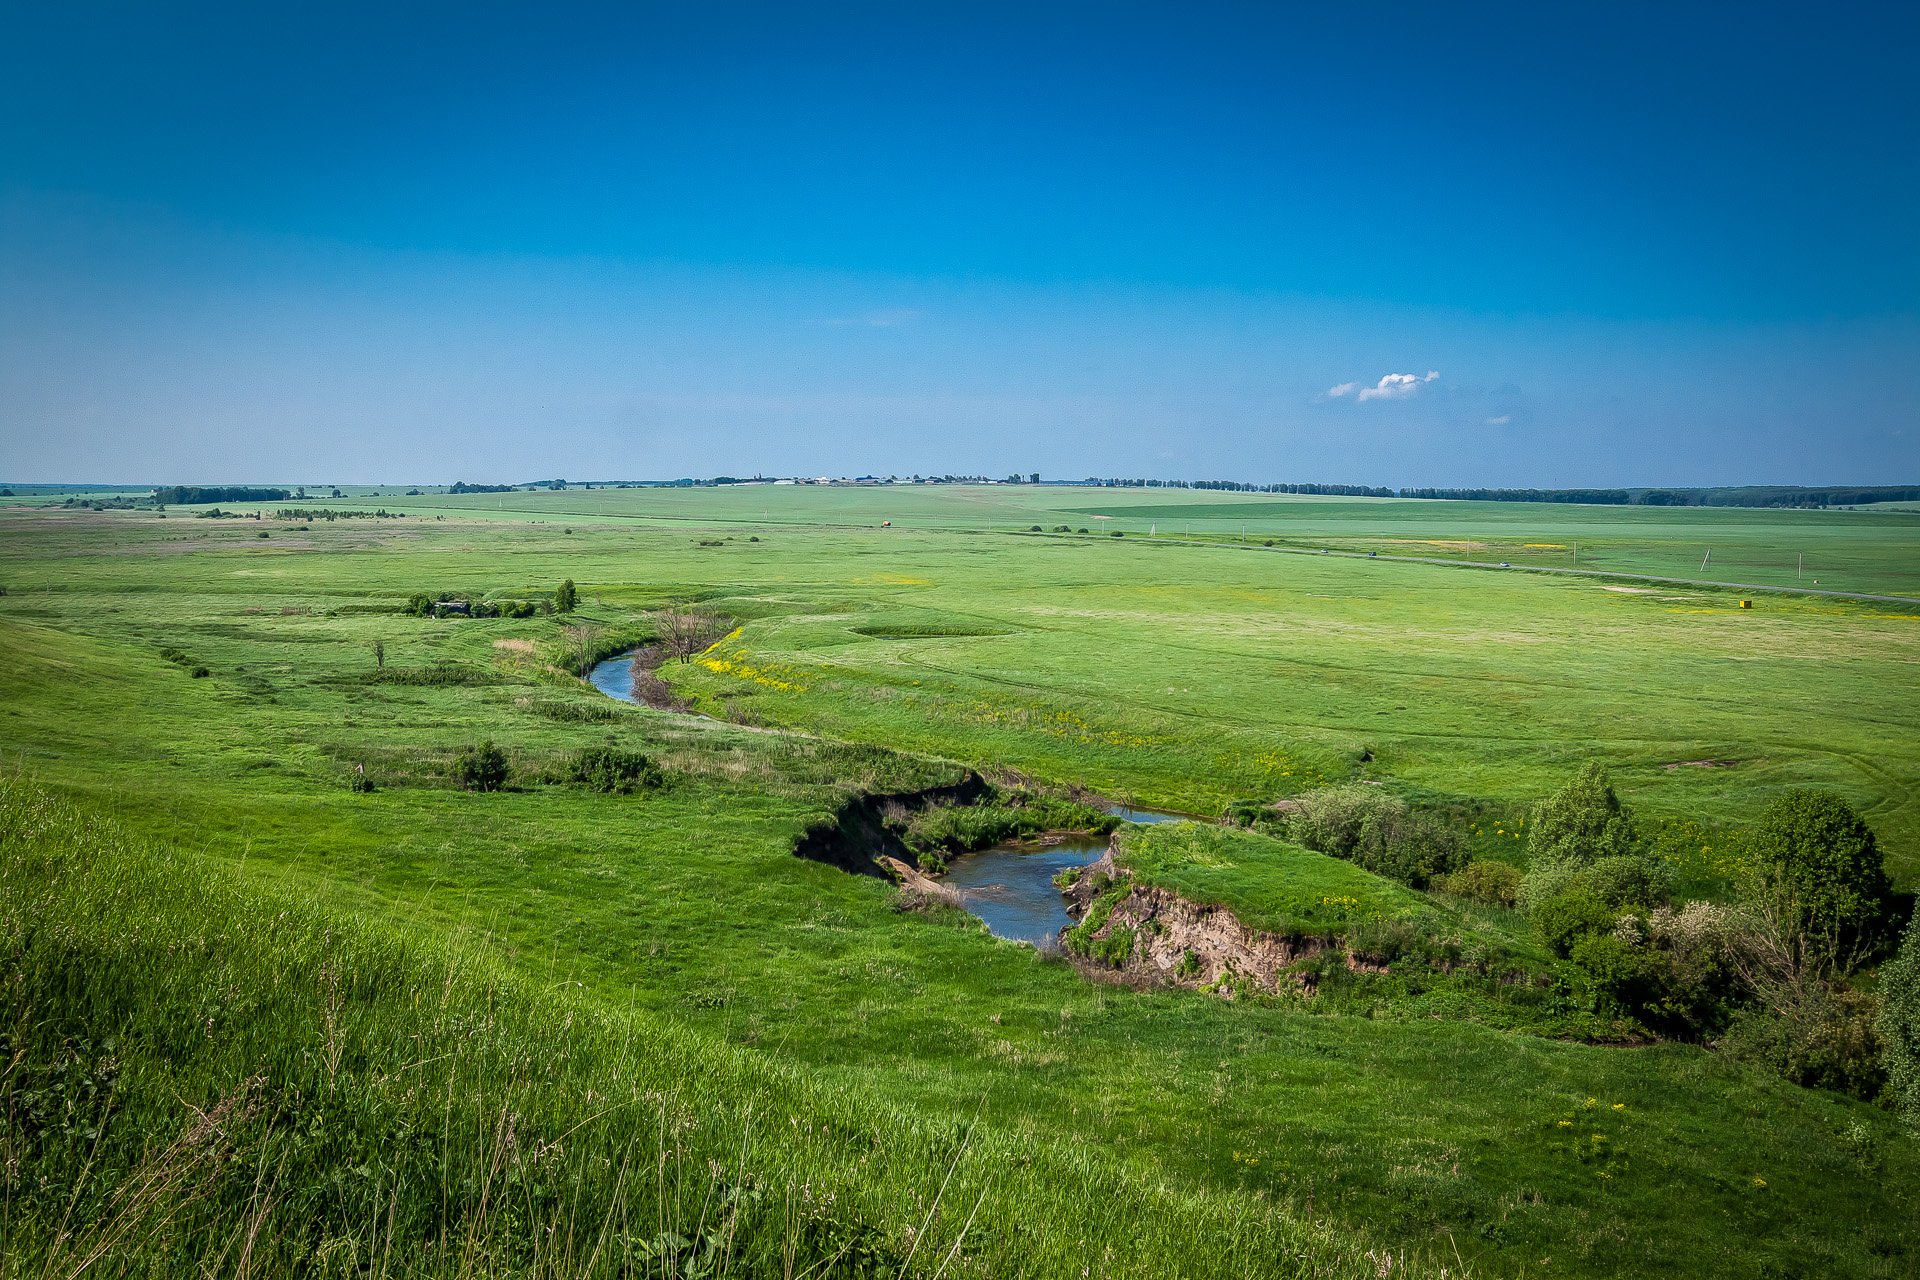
{"x":614,"y":677}
{"x":1010,"y":886}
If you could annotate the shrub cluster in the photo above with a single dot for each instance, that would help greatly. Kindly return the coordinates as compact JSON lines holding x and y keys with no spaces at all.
{"x":936,"y":831}
{"x":1372,"y":828}
{"x":1768,"y":978}
{"x":1899,"y":1025}
{"x":481,"y":768}
{"x":453,"y":604}
{"x":610,"y":770}
{"x":185,"y":662}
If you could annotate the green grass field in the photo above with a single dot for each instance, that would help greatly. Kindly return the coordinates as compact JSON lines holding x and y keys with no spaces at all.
{"x":1180,"y":672}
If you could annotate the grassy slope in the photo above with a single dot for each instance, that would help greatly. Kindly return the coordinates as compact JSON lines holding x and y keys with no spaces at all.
{"x":686,"y":904}
{"x":224,"y":1081}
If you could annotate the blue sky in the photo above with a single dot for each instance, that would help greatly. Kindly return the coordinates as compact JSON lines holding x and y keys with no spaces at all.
{"x":1631,"y":244}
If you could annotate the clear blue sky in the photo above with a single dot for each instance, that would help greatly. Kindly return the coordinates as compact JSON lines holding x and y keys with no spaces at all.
{"x":1630,"y":243}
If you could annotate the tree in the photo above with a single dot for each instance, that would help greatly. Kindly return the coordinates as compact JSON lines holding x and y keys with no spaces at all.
{"x":1582,"y":822}
{"x":565,"y":597}
{"x":481,"y":768}
{"x":1900,"y":1024}
{"x":380,"y":654}
{"x":1817,"y":876}
{"x":685,"y":632}
{"x":581,"y":637}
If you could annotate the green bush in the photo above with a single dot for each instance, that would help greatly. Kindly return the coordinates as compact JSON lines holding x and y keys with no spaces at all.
{"x":419,"y":605}
{"x":565,"y":596}
{"x":1011,"y":815}
{"x":611,"y":770}
{"x":1817,"y":868}
{"x":1627,"y":979}
{"x":1497,"y":884}
{"x":1628,"y":880}
{"x":481,"y":768}
{"x":1566,"y":919}
{"x":1374,"y":829}
{"x":1825,"y":1039}
{"x":1899,"y":1025}
{"x":1582,"y":822}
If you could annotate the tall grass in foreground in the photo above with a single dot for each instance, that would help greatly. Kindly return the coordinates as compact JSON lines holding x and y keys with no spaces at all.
{"x":199,"y":1080}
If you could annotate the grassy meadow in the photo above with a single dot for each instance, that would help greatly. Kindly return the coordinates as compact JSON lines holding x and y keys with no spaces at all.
{"x":669,"y":944}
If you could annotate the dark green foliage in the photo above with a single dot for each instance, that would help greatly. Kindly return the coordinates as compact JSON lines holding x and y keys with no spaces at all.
{"x":359,"y":782}
{"x":611,"y":770}
{"x":1375,"y":829}
{"x":572,"y":712}
{"x":1817,"y":866}
{"x":420,"y":605}
{"x":1249,"y":813}
{"x":943,"y":829}
{"x":1899,"y":1025}
{"x":194,"y":495}
{"x":1582,"y":822}
{"x":1626,"y":979}
{"x":1825,"y":1039}
{"x":481,"y":768}
{"x":565,"y":597}
{"x":1118,"y":534}
{"x":1566,"y":919}
{"x":1496,"y":884}
{"x":1036,"y":529}
{"x":200,"y":673}
{"x":1627,"y":880}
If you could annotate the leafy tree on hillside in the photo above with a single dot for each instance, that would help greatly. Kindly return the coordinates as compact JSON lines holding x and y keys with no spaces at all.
{"x":1582,"y":822}
{"x":1583,"y":833}
{"x":1818,"y":879}
{"x":1900,"y":1025}
{"x":565,"y":597}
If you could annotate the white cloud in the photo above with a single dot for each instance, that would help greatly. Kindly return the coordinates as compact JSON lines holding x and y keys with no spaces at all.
{"x":1392,"y":386}
{"x":1396,"y":386}
{"x":1500,"y":421}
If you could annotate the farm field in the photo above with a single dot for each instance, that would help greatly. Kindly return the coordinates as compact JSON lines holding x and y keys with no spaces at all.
{"x":1166,"y":670}
{"x":1872,"y":551}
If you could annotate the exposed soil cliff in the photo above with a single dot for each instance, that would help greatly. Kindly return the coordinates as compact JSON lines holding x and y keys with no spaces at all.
{"x":1149,"y":936}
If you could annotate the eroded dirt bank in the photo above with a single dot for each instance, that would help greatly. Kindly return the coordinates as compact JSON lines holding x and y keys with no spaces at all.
{"x":1147,"y":936}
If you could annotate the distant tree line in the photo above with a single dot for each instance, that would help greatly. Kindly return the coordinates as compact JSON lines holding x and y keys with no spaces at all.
{"x":193,"y":494}
{"x":325,"y":513}
{"x":1242,"y":486}
{"x":1727,"y":496}
{"x":461,"y":486}
{"x":1602,"y":497}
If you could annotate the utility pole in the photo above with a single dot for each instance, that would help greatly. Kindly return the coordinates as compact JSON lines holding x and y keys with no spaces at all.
{"x":1705,"y":558}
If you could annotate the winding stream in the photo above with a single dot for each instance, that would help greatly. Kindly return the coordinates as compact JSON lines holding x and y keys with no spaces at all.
{"x":614,"y":677}
{"x":1009,"y":886}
